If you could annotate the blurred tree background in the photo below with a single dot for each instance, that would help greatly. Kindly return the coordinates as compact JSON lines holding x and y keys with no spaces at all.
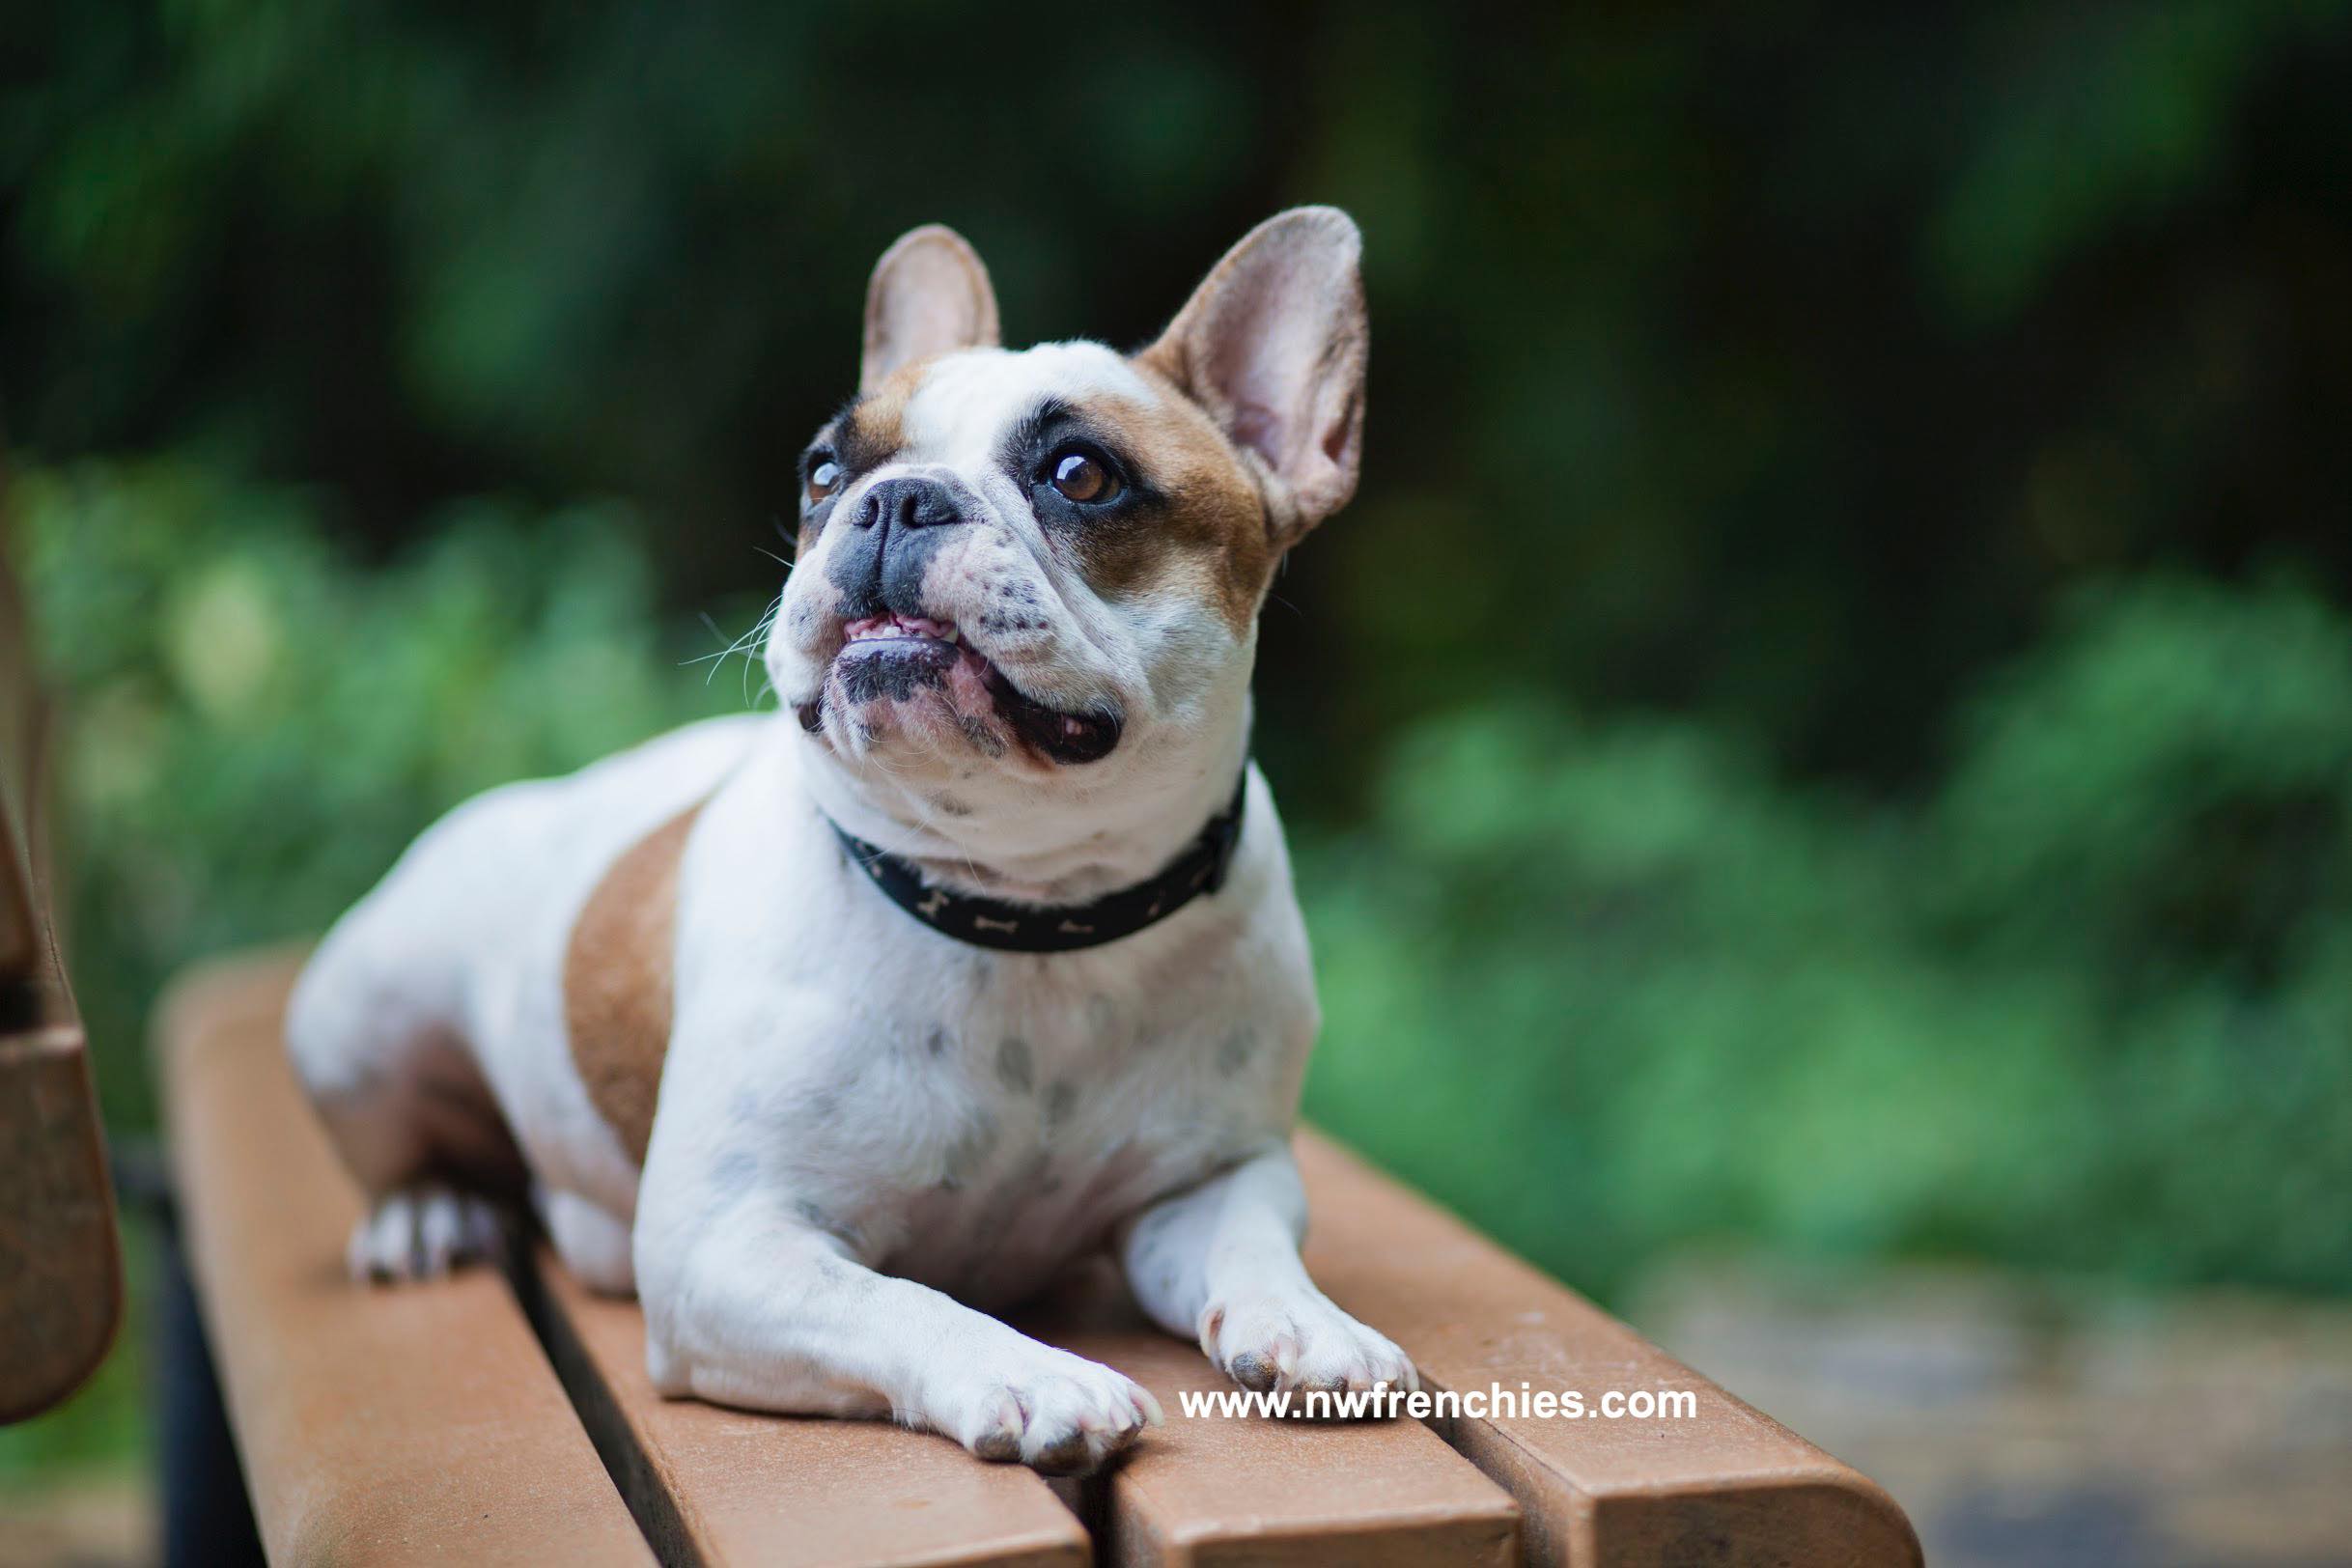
{"x":1828,"y":722}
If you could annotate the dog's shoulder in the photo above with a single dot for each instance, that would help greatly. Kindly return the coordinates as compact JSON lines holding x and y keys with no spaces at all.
{"x":618,"y":980}
{"x":620,"y":948}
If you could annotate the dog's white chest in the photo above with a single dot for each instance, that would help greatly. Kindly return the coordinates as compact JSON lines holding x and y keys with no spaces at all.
{"x":980,"y":1137}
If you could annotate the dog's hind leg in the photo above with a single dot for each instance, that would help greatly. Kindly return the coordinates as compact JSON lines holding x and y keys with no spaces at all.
{"x":375,"y":1032}
{"x":594,"y":1244}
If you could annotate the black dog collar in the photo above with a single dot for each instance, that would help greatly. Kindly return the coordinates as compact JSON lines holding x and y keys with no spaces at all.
{"x":1029,"y":927}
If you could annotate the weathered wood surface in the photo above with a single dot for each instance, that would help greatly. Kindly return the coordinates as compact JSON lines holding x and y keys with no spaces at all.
{"x":61,"y":1273}
{"x":376,"y":1425}
{"x":1730,"y":1486}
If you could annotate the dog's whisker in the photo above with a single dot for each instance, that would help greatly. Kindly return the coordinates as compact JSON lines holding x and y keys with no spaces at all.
{"x":746,"y":645}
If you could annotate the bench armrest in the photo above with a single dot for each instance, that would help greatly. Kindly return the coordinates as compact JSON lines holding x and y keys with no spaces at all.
{"x":61,"y":1265}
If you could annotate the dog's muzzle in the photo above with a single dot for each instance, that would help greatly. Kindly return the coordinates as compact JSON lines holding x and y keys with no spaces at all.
{"x":894,"y":532}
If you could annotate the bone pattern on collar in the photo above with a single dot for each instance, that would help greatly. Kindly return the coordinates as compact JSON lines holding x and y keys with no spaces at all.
{"x":1199,"y":869}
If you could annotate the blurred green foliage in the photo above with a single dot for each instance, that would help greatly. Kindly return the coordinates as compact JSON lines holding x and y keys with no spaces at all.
{"x":260,"y":726}
{"x":1782,"y":364}
{"x":2089,"y":1006}
{"x":1826,"y":722}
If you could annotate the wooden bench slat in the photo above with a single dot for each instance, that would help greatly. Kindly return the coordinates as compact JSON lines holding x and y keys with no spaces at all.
{"x":386,"y":1425}
{"x":724,"y":1486}
{"x":1211,"y":1490}
{"x":1732,"y":1487}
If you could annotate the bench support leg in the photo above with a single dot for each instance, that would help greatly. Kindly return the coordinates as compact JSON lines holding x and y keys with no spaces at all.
{"x":206,"y":1521}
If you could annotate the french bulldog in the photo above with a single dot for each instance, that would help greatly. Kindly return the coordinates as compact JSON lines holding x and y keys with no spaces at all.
{"x":832,"y":1029}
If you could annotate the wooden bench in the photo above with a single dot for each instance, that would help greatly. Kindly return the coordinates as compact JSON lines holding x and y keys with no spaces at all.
{"x":489,"y":1420}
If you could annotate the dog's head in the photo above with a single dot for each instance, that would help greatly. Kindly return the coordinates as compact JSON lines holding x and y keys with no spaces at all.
{"x":1046,"y":566}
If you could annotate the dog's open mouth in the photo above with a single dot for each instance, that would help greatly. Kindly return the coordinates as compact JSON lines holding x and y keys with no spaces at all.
{"x":893,"y":656}
{"x":901,"y":628}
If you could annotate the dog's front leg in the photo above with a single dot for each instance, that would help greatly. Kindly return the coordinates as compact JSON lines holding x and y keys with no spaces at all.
{"x":1221,"y":1262}
{"x":768,"y":1311}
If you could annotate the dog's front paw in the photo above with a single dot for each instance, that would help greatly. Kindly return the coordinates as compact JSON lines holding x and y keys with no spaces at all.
{"x":422,"y":1233}
{"x":1300,"y":1341}
{"x":1057,"y":1412}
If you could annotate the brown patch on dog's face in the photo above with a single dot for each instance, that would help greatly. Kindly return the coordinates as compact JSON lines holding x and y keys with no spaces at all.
{"x":617,"y":981}
{"x":859,"y":439}
{"x":1196,"y":523}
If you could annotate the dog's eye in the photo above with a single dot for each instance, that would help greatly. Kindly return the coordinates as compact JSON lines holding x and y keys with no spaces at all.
{"x":1083,"y":478}
{"x":824,"y":477}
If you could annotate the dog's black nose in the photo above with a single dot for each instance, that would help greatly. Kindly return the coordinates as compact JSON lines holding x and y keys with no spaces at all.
{"x":909,"y":503}
{"x":895,"y":530}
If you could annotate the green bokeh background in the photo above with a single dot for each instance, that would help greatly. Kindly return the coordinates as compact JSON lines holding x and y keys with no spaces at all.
{"x":1828,"y":727}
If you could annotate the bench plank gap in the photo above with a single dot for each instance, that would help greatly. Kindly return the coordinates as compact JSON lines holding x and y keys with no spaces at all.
{"x":717,"y":1486}
{"x":1259,"y":1490}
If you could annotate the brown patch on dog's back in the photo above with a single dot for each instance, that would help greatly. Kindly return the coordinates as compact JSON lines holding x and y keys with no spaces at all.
{"x":617,"y":981}
{"x":1215,"y":516}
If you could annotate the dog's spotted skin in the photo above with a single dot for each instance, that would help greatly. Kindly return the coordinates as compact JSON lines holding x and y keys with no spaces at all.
{"x":868,"y":1134}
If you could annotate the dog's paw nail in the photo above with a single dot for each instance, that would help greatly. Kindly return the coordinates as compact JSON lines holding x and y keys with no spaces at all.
{"x":1064,"y":1416}
{"x":1072,"y":1455}
{"x":1255,"y":1372}
{"x":1305,"y":1345}
{"x":998,"y":1439}
{"x":1139,"y":1411}
{"x":421,"y":1233}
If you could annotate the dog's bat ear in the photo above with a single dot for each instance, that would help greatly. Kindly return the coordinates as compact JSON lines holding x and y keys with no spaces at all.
{"x":1273,"y":344}
{"x":930,"y":296}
